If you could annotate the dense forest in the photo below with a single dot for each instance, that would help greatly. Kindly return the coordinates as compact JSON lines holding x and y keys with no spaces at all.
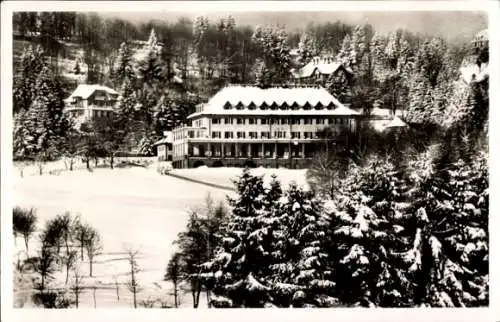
{"x":163,"y":69}
{"x":396,"y":219}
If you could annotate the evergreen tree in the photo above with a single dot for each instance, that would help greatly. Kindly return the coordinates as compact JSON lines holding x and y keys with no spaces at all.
{"x":302,"y":275}
{"x":369,"y":222}
{"x":272,"y":43}
{"x":242,"y":262}
{"x":31,"y":64}
{"x":149,"y":67}
{"x":307,"y":49}
{"x":452,"y":211}
{"x":123,"y":65}
{"x":43,"y":127}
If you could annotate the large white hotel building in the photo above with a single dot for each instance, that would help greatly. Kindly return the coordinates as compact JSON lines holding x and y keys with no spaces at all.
{"x":269,"y":127}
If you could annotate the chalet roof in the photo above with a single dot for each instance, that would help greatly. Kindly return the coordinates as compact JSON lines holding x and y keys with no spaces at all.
{"x":251,"y":95}
{"x":167,"y":139}
{"x":323,"y":66}
{"x":396,"y":122}
{"x":84,"y":91}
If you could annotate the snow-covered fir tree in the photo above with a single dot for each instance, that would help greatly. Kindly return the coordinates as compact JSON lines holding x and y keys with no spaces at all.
{"x":123,"y":66}
{"x":302,"y":275}
{"x":368,"y":223}
{"x":242,"y":262}
{"x":42,"y":127}
{"x":451,"y":247}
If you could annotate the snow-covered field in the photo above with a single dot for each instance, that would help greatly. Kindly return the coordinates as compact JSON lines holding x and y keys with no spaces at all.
{"x":224,"y":176}
{"x":131,"y":208}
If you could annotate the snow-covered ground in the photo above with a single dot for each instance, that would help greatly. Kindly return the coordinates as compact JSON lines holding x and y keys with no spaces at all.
{"x":131,"y":208}
{"x":225,"y":176}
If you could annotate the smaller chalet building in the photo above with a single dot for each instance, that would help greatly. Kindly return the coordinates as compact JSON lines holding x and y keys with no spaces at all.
{"x":89,"y":101}
{"x":268,"y":127}
{"x":164,"y":147}
{"x":321,"y":69}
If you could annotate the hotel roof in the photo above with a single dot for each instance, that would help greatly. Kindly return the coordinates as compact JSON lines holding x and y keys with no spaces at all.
{"x":250,"y":100}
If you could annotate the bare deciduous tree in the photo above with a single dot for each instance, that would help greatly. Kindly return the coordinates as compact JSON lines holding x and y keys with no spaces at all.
{"x":77,"y":288}
{"x":93,"y":246}
{"x":69,"y":260}
{"x":45,"y":265}
{"x":24,"y":223}
{"x":173,"y":274}
{"x":80,"y":234}
{"x":133,"y":283}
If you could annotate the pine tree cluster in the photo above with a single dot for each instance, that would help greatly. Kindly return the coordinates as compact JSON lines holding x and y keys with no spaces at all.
{"x":396,"y":234}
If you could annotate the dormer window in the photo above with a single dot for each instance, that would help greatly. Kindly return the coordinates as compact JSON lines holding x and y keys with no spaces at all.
{"x":284,"y":106}
{"x":319,"y":106}
{"x":263,"y":106}
{"x":274,"y":106}
{"x":295,"y":106}
{"x":330,"y":106}
{"x":252,"y":106}
{"x":227,"y":106}
{"x":307,"y":106}
{"x":240,"y":106}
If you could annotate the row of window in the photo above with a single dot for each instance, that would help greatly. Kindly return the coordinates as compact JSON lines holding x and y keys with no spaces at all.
{"x":95,"y":113}
{"x":188,"y":134}
{"x":278,"y":121}
{"x":265,"y":135}
{"x":275,"y":106}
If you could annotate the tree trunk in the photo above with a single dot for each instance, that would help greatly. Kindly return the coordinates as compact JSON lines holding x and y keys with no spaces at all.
{"x":175,"y":295}
{"x":193,"y":294}
{"x":26,"y":240}
{"x":198,"y":292}
{"x":96,"y":160}
{"x":135,"y":297}
{"x":117,"y":292}
{"x":77,"y":291}
{"x":67,"y":274}
{"x":111,"y":163}
{"x":90,"y":265}
{"x":87,"y":161}
{"x":81,"y":248}
{"x":93,"y":295}
{"x":71,"y":164}
{"x":208,"y":299}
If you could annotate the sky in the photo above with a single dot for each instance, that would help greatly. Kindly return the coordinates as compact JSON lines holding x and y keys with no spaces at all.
{"x":451,"y":25}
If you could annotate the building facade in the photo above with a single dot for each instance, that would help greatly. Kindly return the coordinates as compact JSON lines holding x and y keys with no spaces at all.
{"x":274,"y":127}
{"x":89,"y":101}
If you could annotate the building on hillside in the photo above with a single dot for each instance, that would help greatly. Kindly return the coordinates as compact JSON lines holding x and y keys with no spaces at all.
{"x":481,"y":40}
{"x":164,"y":147}
{"x":322,"y":69}
{"x":382,"y":118}
{"x":267,"y":127}
{"x":89,"y":101}
{"x":474,"y":68}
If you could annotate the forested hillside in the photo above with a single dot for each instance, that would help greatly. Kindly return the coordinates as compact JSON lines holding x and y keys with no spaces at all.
{"x":162,"y":69}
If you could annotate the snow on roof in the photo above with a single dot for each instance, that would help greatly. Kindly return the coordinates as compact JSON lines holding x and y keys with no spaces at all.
{"x":167,"y":139}
{"x":86,"y":90}
{"x":396,"y":122}
{"x":247,"y":95}
{"x":323,"y":66}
